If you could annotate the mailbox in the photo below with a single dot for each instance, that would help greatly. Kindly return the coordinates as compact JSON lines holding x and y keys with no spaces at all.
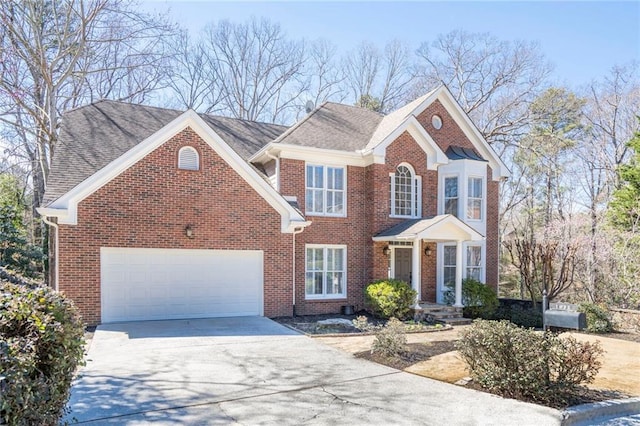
{"x":565,"y":319}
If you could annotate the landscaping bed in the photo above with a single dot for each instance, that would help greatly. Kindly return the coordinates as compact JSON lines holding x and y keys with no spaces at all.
{"x":418,"y":352}
{"x":342,"y":324}
{"x":415,"y":352}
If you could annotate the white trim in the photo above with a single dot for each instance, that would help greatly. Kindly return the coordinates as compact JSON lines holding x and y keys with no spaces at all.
{"x":435,"y":156}
{"x":482,"y":200}
{"x":325,"y":296}
{"x":416,"y":193}
{"x":441,"y":228}
{"x":324,"y":189}
{"x":500,"y":170}
{"x":303,"y":153}
{"x":440,"y":287}
{"x":290,"y":217}
{"x":443,"y":198}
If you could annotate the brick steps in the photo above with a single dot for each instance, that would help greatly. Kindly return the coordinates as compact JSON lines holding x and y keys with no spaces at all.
{"x":445,"y":314}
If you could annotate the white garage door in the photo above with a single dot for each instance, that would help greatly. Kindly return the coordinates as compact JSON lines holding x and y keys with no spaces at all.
{"x":149,"y":284}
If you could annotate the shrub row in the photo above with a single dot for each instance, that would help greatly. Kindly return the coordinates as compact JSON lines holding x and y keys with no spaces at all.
{"x":41,"y":345}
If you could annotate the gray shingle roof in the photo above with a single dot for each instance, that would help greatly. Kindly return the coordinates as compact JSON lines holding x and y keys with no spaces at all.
{"x":334,"y":126}
{"x":93,"y":136}
{"x":410,"y":227}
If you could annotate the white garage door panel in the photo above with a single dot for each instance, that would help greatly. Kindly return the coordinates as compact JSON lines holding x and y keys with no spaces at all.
{"x":147,"y":284}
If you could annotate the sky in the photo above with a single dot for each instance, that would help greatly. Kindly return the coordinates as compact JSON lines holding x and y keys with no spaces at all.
{"x":582,"y":40}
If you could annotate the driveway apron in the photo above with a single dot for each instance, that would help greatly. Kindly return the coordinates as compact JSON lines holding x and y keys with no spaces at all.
{"x":251,"y":370}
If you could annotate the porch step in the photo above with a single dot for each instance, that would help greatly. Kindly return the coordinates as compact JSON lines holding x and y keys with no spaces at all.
{"x":445,"y":314}
{"x":456,"y":321}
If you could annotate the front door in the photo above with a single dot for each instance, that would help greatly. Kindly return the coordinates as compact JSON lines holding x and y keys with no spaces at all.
{"x":402,"y":264}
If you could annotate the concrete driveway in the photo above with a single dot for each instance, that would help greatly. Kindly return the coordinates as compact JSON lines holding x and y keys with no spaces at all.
{"x":251,"y":370}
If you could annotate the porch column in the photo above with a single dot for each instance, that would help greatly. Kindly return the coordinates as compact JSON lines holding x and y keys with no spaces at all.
{"x":415,"y":269}
{"x":458,"y":275}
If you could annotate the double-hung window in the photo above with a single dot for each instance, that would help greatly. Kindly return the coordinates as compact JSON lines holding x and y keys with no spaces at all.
{"x":325,"y":272}
{"x":451,"y":195}
{"x":449,"y":266}
{"x":474,"y":199}
{"x":406,"y":189}
{"x":325,"y":190}
{"x":474,"y":262}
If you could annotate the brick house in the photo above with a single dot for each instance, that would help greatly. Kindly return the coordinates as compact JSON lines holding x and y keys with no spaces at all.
{"x":161,"y":214}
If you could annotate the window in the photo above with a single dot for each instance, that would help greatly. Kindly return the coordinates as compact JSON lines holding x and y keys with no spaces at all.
{"x":188,"y":158}
{"x":405,"y":192}
{"x":451,"y":195}
{"x":325,"y":190}
{"x":325,"y":272}
{"x":474,"y":199}
{"x":474,"y":262}
{"x":436,"y":122}
{"x":449,"y":266}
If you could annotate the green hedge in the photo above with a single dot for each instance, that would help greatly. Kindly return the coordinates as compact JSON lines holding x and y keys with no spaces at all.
{"x":390,"y":298}
{"x":479,"y":300}
{"x":41,"y":345}
{"x":598,"y":318}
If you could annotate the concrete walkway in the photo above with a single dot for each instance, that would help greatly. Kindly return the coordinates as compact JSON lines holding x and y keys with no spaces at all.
{"x":247,"y":371}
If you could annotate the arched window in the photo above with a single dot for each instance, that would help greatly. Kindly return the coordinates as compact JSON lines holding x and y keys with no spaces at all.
{"x":406,"y":190}
{"x":188,"y":158}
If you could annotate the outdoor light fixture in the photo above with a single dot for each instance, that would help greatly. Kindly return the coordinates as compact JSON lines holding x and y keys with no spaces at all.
{"x":386,"y":250}
{"x":188,"y":231}
{"x":427,"y":251}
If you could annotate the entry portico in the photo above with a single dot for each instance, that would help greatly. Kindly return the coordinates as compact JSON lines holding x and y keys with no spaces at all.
{"x":440,"y":229}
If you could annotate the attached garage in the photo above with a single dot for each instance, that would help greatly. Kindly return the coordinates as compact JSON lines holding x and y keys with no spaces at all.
{"x":152,"y":284}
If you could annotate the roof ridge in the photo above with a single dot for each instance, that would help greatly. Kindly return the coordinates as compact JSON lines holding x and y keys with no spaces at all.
{"x":354,"y":107}
{"x":244,"y":120}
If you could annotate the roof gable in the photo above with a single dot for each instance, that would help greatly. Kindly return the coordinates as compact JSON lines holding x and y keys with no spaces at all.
{"x":94,"y":135}
{"x":65,"y":207}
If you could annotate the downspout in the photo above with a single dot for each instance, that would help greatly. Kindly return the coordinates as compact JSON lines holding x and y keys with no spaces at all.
{"x":296,"y":231}
{"x":55,"y":256}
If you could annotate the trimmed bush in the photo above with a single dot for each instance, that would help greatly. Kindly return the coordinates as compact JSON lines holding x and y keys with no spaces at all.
{"x":598,"y":318}
{"x":390,"y":340}
{"x":521,"y":363}
{"x":41,"y":345}
{"x":390,"y":298}
{"x":528,"y":318}
{"x":479,"y":300}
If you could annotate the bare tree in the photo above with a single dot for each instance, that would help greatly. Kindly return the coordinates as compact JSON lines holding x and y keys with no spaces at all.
{"x":257,"y":69}
{"x":610,"y":117}
{"x":494,"y":81}
{"x":548,"y":261}
{"x":323,"y":72}
{"x":378,"y":78}
{"x":192,"y":84}
{"x":58,"y":54}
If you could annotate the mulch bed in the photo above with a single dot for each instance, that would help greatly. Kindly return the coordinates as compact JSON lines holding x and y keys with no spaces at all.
{"x":415,"y":353}
{"x":309,"y":324}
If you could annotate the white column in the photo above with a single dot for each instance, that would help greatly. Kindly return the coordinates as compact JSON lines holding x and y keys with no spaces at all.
{"x":415,"y":269}
{"x":458,"y":274}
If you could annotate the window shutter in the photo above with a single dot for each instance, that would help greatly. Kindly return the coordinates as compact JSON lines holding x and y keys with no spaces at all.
{"x":188,"y":159}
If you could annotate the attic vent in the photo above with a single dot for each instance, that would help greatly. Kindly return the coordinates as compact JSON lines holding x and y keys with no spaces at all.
{"x":188,"y":158}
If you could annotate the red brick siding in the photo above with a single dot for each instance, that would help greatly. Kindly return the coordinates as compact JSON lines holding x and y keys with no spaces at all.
{"x":149,"y":205}
{"x":351,"y":231}
{"x":449,"y":134}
